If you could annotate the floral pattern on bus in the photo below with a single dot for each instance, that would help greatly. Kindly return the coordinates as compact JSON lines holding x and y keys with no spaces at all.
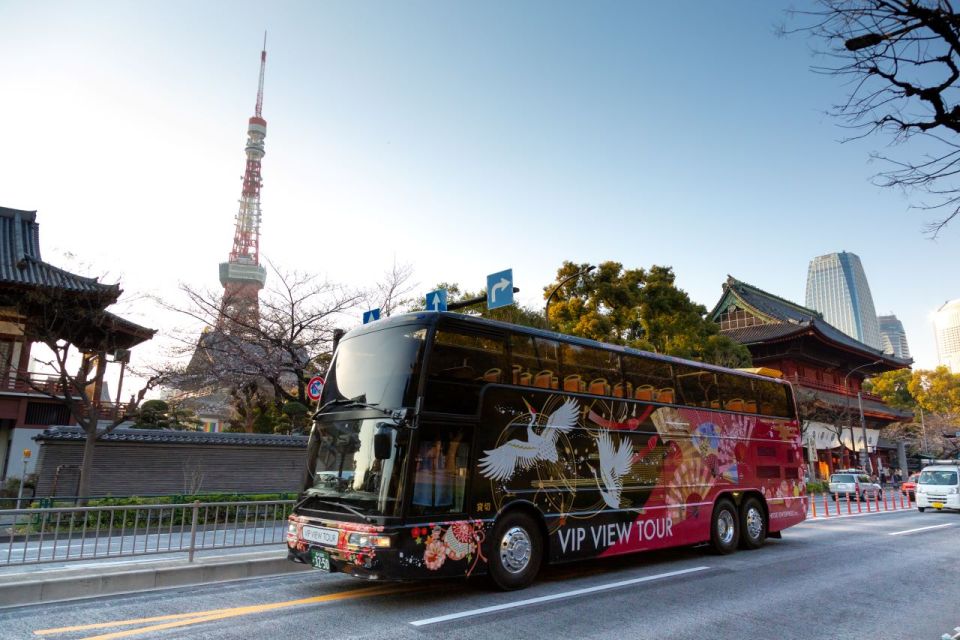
{"x":457,"y":541}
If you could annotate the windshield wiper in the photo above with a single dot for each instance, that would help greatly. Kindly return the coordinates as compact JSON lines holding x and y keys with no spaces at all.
{"x":345,"y":507}
{"x":348,"y":403}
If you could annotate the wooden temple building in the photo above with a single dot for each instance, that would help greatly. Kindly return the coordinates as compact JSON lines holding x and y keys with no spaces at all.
{"x":39,"y":303}
{"x":827,"y":368}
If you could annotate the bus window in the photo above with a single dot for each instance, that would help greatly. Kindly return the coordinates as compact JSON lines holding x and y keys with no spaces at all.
{"x":589,"y":370}
{"x":737,"y":394}
{"x":698,"y":388}
{"x":645,"y":379}
{"x":535,"y":362}
{"x":459,"y":365}
{"x":441,"y":469}
{"x":772,"y":400}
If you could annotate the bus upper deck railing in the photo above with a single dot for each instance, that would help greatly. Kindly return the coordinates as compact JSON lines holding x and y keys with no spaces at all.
{"x":61,"y":534}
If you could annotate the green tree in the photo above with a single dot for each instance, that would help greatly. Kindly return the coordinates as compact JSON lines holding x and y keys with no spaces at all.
{"x":937,"y":392}
{"x":893,"y":388}
{"x":158,"y":414}
{"x":639,"y":308}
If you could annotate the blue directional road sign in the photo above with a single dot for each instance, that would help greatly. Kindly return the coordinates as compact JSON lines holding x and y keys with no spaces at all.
{"x":437,"y":300}
{"x":370,"y":316}
{"x":500,"y":289}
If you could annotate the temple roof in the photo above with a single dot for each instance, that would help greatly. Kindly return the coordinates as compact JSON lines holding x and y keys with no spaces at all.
{"x":161,"y":436}
{"x":781,"y":319}
{"x":20,"y":262}
{"x":56,"y":300}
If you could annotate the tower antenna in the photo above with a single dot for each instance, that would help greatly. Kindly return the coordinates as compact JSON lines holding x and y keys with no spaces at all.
{"x":263,"y":65}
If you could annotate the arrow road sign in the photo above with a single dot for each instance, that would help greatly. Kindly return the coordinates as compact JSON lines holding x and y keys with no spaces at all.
{"x":500,"y":289}
{"x":370,"y":316}
{"x":437,"y":300}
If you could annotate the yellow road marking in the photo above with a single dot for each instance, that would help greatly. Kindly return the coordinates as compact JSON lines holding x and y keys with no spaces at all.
{"x":185,"y":619}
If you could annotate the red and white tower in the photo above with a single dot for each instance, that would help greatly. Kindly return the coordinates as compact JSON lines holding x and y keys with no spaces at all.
{"x":241,"y":275}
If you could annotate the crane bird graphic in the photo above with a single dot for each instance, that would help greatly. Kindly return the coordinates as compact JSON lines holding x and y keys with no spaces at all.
{"x":501,"y":463}
{"x":613,"y":465}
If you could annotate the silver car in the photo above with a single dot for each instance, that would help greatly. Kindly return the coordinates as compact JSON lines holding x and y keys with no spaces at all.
{"x":856,"y":483}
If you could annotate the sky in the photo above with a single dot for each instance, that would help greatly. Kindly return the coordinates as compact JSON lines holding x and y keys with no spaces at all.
{"x":461,"y":138}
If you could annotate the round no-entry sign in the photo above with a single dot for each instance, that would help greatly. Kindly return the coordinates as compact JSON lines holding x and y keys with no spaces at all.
{"x":314,"y":387}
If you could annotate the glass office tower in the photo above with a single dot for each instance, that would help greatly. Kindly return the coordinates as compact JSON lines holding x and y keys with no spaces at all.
{"x":946,"y":325}
{"x":837,"y":287}
{"x":893,"y":339}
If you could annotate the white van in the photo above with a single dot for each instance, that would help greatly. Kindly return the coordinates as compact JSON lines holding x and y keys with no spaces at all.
{"x":938,"y":487}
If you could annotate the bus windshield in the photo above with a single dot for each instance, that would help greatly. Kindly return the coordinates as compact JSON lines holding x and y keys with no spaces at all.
{"x":348,"y":476}
{"x":378,"y":368}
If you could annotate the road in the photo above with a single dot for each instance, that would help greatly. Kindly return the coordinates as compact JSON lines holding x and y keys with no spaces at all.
{"x":880,"y":576}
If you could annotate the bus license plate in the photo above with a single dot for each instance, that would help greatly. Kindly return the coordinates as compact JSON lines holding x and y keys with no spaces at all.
{"x":320,"y":560}
{"x":936,"y":505}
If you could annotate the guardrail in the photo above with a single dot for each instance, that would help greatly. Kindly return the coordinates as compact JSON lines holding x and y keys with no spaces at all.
{"x":845,"y":504}
{"x":30,"y":500}
{"x":59,"y":534}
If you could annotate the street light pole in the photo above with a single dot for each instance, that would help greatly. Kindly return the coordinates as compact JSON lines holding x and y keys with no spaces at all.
{"x":546,"y":308}
{"x":864,"y":455}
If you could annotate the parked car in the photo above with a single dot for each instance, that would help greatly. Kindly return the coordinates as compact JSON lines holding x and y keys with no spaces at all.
{"x":909,"y":486}
{"x":856,"y":483}
{"x":938,"y":487}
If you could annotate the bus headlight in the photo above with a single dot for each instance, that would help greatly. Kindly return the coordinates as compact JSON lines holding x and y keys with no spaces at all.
{"x":368,"y":540}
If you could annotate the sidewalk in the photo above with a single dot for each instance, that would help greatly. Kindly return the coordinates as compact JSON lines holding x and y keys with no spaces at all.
{"x":33,"y":587}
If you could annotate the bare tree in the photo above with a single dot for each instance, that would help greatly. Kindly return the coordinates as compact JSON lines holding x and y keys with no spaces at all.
{"x":812,"y":407}
{"x":82,"y":338}
{"x":272,"y":355}
{"x":902,"y":61}
{"x":390,"y":294}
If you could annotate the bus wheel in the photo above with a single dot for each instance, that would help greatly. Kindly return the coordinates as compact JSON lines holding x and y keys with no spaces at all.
{"x":516,"y":551}
{"x":753,"y":525}
{"x":724,"y":529}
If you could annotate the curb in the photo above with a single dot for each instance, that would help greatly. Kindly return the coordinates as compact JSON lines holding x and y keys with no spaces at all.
{"x":36,"y":589}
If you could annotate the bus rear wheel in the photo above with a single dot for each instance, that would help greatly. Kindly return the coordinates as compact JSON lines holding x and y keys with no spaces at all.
{"x":724,"y":527}
{"x":516,"y":552}
{"x":753,"y":524}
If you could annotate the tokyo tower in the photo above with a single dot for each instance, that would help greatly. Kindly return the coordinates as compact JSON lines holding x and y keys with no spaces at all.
{"x":241,"y":275}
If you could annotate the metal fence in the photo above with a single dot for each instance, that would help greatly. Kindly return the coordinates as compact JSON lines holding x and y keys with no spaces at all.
{"x":59,"y":534}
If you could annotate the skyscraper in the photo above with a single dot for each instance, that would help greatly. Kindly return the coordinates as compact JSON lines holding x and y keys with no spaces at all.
{"x":946,"y":326}
{"x":893,"y":339}
{"x":837,"y":287}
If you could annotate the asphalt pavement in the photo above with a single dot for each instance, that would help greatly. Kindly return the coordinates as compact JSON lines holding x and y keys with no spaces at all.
{"x":891,"y":575}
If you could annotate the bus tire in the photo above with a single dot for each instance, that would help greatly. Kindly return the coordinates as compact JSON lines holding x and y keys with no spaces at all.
{"x":724,"y":527}
{"x":516,"y":551}
{"x":753,"y":524}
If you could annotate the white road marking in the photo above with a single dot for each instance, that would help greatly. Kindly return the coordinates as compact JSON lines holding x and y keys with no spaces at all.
{"x":555,"y":596}
{"x":936,"y":526}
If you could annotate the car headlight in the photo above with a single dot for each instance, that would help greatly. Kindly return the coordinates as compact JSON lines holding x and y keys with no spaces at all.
{"x":292,"y":528}
{"x":368,"y":540}
{"x":952,"y":490}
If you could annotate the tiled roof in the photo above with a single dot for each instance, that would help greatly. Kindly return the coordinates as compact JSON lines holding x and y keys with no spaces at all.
{"x":869,"y":406}
{"x":157,"y":436}
{"x":765,"y":332}
{"x":794,"y":315}
{"x":20,"y":262}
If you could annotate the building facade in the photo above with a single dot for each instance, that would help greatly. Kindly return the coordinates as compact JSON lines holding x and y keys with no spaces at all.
{"x":837,"y":288}
{"x":946,"y":326}
{"x":893,"y":339}
{"x":826,"y":368}
{"x":38,"y":302}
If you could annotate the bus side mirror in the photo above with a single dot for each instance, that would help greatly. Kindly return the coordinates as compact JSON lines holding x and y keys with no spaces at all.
{"x":383,"y":441}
